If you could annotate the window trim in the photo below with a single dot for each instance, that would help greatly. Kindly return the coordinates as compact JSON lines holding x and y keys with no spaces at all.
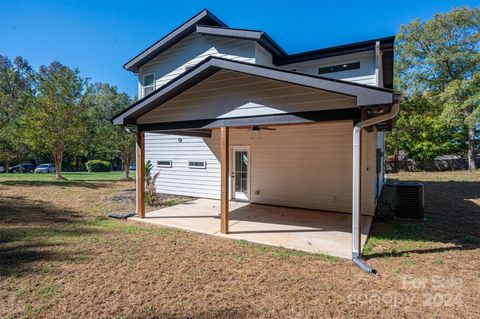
{"x":164,"y":165}
{"x":197,"y":167}
{"x":335,"y":68}
{"x":143,"y":83}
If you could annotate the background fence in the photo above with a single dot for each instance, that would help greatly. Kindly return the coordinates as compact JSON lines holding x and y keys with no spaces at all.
{"x":428,"y":166}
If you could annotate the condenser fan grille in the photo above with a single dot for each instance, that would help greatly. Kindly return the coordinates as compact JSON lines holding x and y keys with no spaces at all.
{"x":409,"y":201}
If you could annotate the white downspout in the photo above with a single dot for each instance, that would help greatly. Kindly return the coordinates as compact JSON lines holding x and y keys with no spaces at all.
{"x":356,"y":229}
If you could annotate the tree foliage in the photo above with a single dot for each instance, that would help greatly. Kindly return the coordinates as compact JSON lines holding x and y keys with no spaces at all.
{"x":106,"y":140}
{"x":55,"y":120}
{"x":440,"y":60}
{"x":56,"y":113}
{"x":16,"y":86}
{"x":421,"y":134}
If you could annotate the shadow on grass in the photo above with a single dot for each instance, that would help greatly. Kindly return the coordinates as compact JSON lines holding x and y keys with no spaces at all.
{"x":87,"y":183}
{"x":453,"y":219}
{"x":37,"y":231}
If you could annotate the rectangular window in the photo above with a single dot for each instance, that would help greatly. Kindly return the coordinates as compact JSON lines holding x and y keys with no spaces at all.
{"x":339,"y":68}
{"x":148,"y":84}
{"x":164,"y":163}
{"x":197,"y":164}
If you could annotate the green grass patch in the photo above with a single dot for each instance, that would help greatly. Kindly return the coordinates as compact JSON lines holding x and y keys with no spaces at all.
{"x":70,"y":177}
{"x":45,"y":291}
{"x":106,"y":224}
{"x":283,"y":253}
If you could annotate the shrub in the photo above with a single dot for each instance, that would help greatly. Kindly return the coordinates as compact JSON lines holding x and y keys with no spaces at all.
{"x":99,"y":166}
{"x":151,"y":196}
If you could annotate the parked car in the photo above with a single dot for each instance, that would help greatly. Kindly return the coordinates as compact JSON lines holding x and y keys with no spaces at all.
{"x":2,"y":169}
{"x":133,"y":167}
{"x":25,"y":168}
{"x":45,"y":168}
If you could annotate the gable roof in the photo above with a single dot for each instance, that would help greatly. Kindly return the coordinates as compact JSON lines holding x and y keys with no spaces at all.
{"x":207,"y":23}
{"x":261,"y":37}
{"x":204,"y":17}
{"x":365,"y":94}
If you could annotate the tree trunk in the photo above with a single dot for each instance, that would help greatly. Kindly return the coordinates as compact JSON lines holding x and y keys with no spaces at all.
{"x":58,"y":158}
{"x":126,"y":167}
{"x":471,"y":148}
{"x":395,"y":160}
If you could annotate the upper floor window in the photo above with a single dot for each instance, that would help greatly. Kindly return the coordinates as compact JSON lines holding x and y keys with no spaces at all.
{"x":339,"y":68}
{"x":148,"y":84}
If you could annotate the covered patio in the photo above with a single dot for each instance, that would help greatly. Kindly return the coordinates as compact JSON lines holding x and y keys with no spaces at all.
{"x":311,"y":126}
{"x":294,"y":228}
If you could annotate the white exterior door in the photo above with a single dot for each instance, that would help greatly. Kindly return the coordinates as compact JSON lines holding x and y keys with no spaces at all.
{"x":240,"y":173}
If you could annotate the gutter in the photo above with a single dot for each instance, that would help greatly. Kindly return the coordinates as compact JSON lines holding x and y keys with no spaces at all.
{"x":356,"y":216}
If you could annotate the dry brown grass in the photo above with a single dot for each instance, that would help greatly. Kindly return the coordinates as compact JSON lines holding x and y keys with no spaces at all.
{"x":61,"y":258}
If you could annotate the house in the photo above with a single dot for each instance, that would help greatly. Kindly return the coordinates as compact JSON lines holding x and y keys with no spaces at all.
{"x":227,"y":114}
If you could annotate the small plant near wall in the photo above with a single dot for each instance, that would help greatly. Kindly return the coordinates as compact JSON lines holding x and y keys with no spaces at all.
{"x":151,"y":197}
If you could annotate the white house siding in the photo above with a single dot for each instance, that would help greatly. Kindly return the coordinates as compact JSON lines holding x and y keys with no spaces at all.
{"x":191,"y":51}
{"x":262,"y":56}
{"x":179,"y":179}
{"x":228,"y":94}
{"x":381,"y":146}
{"x":364,"y":75}
{"x":306,"y":166}
{"x":369,"y":172}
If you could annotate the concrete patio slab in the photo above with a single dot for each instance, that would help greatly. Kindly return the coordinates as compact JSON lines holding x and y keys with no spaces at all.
{"x":294,"y":228}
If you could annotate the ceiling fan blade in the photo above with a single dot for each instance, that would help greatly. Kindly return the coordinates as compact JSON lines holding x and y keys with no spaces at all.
{"x":259,"y":128}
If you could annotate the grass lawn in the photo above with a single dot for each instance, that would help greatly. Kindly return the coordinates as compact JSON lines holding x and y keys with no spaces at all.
{"x":60,"y":257}
{"x":70,"y":177}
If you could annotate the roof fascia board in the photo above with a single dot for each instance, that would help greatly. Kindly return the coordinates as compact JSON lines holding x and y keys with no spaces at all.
{"x":366,"y":95}
{"x":170,"y":39}
{"x":386,"y":44}
{"x":168,"y":91}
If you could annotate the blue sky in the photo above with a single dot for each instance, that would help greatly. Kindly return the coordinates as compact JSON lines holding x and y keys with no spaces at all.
{"x":98,"y":37}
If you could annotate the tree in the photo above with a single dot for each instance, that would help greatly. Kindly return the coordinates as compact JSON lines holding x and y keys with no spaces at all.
{"x":440,"y":58}
{"x":421,"y":134}
{"x":108,"y":141}
{"x":461,"y":99}
{"x":16,"y":86}
{"x":54,"y":121}
{"x":125,"y":142}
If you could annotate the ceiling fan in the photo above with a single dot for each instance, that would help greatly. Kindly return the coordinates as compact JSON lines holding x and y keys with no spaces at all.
{"x":258,"y":128}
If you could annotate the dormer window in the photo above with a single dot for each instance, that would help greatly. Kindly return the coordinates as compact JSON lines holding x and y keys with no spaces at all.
{"x":339,"y":68}
{"x":148,"y":84}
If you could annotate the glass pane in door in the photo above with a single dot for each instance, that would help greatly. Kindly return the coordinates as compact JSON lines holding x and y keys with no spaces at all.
{"x":241,"y":171}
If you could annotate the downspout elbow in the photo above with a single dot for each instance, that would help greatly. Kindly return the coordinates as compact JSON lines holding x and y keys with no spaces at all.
{"x":364,"y":266}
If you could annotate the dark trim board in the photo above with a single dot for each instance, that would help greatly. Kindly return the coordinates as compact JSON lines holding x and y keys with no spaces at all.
{"x":366,"y":95}
{"x":386,"y":44}
{"x":204,"y":17}
{"x":285,"y":119}
{"x":196,"y":133}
